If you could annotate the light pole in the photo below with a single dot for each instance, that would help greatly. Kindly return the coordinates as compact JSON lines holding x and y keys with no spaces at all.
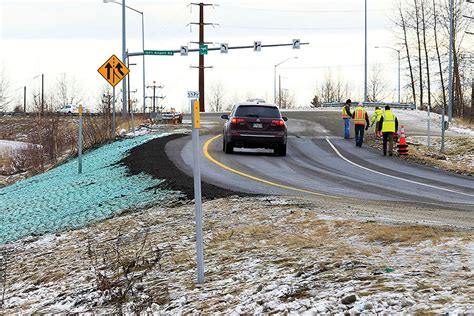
{"x":398,"y":51}
{"x":143,"y":45}
{"x":274,"y":77}
{"x":365,"y":62}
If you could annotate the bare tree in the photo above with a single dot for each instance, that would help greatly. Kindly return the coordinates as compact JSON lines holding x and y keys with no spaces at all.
{"x":286,"y":99}
{"x":217,"y":97}
{"x":417,"y":32}
{"x":423,"y":23}
{"x":67,"y":90}
{"x":377,"y":85}
{"x":4,"y":90}
{"x":332,"y":90}
{"x":403,"y":25}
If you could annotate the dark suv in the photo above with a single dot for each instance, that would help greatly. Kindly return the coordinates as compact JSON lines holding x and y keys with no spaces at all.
{"x":254,"y":125}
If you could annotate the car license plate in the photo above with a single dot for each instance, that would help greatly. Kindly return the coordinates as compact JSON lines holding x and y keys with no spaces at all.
{"x":257,"y":125}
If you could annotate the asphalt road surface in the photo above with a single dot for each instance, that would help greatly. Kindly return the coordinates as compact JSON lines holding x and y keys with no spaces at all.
{"x":322,"y":164}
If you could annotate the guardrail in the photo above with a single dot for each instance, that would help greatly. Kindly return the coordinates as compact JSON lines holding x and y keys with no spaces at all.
{"x":64,"y":114}
{"x":392,"y":105}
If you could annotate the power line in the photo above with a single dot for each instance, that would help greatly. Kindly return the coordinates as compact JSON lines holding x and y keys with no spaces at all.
{"x":225,"y":6}
{"x":292,"y":28}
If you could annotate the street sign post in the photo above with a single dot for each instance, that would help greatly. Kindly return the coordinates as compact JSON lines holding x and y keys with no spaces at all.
{"x":113,"y":70}
{"x":79,"y":142}
{"x":196,"y":124}
{"x":159,"y":52}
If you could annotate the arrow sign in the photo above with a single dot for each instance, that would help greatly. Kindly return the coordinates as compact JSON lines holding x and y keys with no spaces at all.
{"x":113,"y":70}
{"x":257,"y":46}
{"x":224,"y":48}
{"x":184,"y":51}
{"x":296,"y":44}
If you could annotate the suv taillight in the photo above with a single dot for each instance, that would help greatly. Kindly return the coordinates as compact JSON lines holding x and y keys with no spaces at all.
{"x":235,"y":120}
{"x":278,"y":122}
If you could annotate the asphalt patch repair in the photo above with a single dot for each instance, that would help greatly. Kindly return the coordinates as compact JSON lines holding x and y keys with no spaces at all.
{"x":151,"y":158}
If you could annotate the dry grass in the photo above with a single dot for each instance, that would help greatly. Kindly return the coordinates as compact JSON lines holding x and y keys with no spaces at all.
{"x":403,"y":234}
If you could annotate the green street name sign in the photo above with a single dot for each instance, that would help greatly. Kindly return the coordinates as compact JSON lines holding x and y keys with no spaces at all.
{"x":159,"y":52}
{"x":203,"y":49}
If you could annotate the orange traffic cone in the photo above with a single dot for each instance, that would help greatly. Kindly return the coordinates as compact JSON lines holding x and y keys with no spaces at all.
{"x":402,"y":144}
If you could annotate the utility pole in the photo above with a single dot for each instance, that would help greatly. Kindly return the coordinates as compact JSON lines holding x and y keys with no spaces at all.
{"x":279,"y":91}
{"x":42,"y":94}
{"x":24,"y":99}
{"x":201,"y":56}
{"x":154,"y":97}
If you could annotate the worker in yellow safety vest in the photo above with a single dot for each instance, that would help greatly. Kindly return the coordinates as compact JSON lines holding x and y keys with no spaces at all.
{"x":376,"y":120}
{"x":346,"y":116}
{"x":388,"y":126}
{"x":361,"y":122}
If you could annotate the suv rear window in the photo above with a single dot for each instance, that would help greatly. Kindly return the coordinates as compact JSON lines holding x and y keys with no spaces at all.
{"x":257,"y":111}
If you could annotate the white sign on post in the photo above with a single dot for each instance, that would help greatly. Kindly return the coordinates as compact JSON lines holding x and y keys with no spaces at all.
{"x":184,"y":51}
{"x":296,"y":44}
{"x":257,"y":46}
{"x":195,"y":119}
{"x":224,"y":48}
{"x":193,"y":95}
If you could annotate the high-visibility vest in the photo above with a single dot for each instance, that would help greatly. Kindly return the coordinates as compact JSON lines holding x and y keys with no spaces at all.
{"x":388,"y":122}
{"x":377,"y":115}
{"x":344,"y":113}
{"x":359,"y":115}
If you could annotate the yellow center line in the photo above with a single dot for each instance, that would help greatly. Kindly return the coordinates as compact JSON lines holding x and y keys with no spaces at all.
{"x":220,"y":164}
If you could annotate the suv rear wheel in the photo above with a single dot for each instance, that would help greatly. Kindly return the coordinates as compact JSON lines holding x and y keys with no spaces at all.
{"x":228,"y":147}
{"x":280,"y":150}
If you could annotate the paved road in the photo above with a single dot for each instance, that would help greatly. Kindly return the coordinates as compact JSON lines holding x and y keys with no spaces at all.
{"x":320,"y":163}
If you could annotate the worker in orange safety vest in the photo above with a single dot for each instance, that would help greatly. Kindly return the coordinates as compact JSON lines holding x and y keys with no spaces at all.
{"x":361,"y":122}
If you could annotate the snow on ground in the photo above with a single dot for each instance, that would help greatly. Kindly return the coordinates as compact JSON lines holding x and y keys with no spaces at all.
{"x":8,"y":147}
{"x":262,"y":255}
{"x":61,"y":198}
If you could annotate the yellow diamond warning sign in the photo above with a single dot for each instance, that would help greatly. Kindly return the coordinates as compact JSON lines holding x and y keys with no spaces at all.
{"x":113,"y":70}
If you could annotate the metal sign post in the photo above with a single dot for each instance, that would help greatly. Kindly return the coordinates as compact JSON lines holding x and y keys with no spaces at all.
{"x":131,"y":110}
{"x":79,"y":142}
{"x":113,"y":113}
{"x":196,"y":124}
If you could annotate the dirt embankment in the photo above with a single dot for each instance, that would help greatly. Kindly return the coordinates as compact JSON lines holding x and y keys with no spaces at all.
{"x":151,"y":158}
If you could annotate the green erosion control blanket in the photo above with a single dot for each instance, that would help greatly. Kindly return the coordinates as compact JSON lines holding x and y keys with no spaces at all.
{"x":61,"y":199}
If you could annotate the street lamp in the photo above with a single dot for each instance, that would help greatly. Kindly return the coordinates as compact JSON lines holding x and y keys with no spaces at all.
{"x":143,"y":45}
{"x":274,"y":77}
{"x":398,"y":51}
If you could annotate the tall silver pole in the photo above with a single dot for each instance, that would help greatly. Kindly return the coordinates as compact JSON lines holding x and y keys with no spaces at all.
{"x":450,"y":65}
{"x":365,"y":63}
{"x":124,"y":56}
{"x":113,"y":113}
{"x":197,"y":197}
{"x":398,"y":76}
{"x":143,"y":48}
{"x":275,"y":84}
{"x":442,"y":129}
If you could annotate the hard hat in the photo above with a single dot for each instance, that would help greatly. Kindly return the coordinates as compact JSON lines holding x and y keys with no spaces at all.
{"x":360,"y":104}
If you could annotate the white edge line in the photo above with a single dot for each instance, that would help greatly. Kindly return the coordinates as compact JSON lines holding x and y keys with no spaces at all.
{"x":390,"y":176}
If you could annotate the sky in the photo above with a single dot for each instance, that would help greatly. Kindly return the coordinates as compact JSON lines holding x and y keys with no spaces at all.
{"x":77,"y":36}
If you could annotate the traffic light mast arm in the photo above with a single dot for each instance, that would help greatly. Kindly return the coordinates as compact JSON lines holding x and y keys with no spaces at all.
{"x":218,"y":48}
